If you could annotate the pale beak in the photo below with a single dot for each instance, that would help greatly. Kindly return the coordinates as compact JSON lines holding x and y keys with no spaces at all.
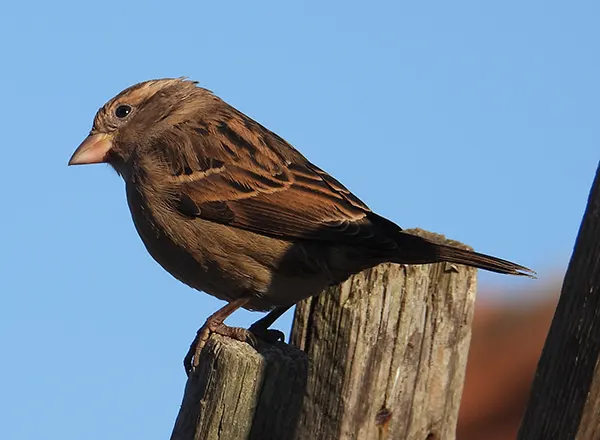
{"x":92,"y":150}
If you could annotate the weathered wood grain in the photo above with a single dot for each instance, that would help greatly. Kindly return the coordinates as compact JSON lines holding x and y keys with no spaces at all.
{"x":388,"y":351}
{"x":241,"y":394}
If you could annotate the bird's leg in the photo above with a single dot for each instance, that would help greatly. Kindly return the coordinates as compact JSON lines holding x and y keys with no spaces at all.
{"x":214,"y":324}
{"x":261,"y":330}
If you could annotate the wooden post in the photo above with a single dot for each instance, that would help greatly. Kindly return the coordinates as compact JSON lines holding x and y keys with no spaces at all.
{"x":388,"y":351}
{"x":242,"y":394}
{"x":565,"y":396}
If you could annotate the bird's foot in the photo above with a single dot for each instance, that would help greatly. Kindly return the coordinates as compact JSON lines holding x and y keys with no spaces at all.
{"x":192,"y":357}
{"x":261,"y":330}
{"x":214,"y":324}
{"x":271,"y":336}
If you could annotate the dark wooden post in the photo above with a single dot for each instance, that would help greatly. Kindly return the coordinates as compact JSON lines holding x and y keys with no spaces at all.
{"x":565,"y":396}
{"x":388,"y":352}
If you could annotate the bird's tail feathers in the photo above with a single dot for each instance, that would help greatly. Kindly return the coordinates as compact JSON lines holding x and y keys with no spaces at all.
{"x":482,"y":261}
{"x":414,"y":249}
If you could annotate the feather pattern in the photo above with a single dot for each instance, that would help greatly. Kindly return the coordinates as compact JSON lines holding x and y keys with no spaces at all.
{"x":229,"y":207}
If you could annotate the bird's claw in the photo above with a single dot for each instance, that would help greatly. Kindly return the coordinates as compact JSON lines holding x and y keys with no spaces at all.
{"x":268,"y":335}
{"x":192,"y":358}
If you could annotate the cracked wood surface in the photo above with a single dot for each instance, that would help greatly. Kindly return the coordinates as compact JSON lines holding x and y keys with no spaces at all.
{"x":388,"y":351}
{"x":240,"y":393}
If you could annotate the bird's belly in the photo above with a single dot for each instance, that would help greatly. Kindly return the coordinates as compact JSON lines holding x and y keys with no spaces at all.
{"x":226,"y":262}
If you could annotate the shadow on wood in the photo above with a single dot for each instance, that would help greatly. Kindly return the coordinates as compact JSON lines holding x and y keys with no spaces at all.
{"x":388,"y":351}
{"x":239,"y":393}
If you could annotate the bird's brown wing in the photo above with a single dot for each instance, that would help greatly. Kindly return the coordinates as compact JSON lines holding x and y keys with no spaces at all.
{"x":234,"y":171}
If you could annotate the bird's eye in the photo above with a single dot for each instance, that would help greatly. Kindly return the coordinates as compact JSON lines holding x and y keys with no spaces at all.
{"x":122,"y":111}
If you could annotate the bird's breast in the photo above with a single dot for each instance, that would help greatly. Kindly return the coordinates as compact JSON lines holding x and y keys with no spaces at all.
{"x":228,"y":262}
{"x":170,"y":244}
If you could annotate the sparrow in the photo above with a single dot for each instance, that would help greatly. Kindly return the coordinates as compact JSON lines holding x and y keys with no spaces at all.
{"x":228,"y":207}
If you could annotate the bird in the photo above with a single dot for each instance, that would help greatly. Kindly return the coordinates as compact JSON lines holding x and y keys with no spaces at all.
{"x":230,"y":208}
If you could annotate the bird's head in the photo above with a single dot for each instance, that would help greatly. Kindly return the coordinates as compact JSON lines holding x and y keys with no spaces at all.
{"x":137,"y":115}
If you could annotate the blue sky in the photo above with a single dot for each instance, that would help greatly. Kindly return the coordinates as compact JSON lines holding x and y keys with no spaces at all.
{"x":473,"y":119}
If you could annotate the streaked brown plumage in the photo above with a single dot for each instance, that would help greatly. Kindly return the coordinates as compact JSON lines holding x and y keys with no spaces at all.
{"x":230,"y":208}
